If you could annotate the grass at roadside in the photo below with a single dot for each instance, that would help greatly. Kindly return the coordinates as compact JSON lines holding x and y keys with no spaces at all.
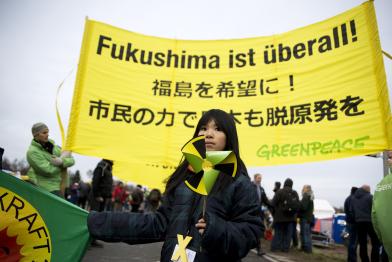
{"x":330,"y":254}
{"x":334,"y":253}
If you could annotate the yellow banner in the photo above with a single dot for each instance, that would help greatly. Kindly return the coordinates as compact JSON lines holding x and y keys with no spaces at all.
{"x":311,"y":94}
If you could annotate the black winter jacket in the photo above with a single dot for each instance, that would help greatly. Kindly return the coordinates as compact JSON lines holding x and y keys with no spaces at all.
{"x":306,"y":208}
{"x":263,"y":197}
{"x":102,"y":180}
{"x":232,"y":217}
{"x":348,"y":210}
{"x":362,"y":206}
{"x":277,"y":202}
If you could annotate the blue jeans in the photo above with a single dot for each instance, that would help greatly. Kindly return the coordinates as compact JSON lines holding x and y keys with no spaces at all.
{"x":282,"y":236}
{"x":353,"y":242}
{"x":306,"y":236}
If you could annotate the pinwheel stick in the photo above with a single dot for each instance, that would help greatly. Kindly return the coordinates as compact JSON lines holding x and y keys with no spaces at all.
{"x":204,"y":205}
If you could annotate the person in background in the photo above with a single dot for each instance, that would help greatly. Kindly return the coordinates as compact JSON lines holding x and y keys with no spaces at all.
{"x":74,"y":193}
{"x":305,"y":215}
{"x":362,"y":208}
{"x":286,"y":205}
{"x":47,"y":162}
{"x":119,"y":197}
{"x":276,"y":186}
{"x":350,"y":227}
{"x":230,"y":226}
{"x":84,"y":191}
{"x":137,"y":198}
{"x":153,"y":201}
{"x":101,"y":189}
{"x":263,"y":200}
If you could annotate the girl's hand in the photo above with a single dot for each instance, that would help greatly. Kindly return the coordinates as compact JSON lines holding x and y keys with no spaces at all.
{"x":201,"y":225}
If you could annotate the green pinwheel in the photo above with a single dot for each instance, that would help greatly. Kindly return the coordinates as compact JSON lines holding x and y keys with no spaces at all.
{"x":207,"y":165}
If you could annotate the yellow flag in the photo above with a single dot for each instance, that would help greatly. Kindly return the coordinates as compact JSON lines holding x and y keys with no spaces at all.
{"x":314,"y":93}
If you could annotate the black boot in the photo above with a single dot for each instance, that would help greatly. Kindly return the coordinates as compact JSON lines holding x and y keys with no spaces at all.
{"x":260,"y":252}
{"x":95,"y":243}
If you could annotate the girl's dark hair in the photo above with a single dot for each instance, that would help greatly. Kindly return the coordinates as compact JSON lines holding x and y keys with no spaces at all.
{"x":225,"y":122}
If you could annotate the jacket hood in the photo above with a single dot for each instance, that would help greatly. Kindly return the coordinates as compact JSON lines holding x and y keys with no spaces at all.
{"x":360,"y":193}
{"x":288,"y":183}
{"x":353,"y":190}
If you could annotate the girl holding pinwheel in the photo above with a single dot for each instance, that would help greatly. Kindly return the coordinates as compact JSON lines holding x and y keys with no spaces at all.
{"x":210,"y":210}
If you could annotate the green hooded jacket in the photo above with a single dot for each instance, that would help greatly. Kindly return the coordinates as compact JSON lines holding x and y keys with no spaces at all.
{"x":382,"y":213}
{"x":42,"y":171}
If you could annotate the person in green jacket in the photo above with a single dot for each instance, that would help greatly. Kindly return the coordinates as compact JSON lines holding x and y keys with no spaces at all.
{"x":382,"y":212}
{"x":46,"y":160}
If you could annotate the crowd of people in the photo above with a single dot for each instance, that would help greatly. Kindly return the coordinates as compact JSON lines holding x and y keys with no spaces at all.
{"x":104,"y":194}
{"x":287,"y":211}
{"x":238,"y":215}
{"x":117,"y":198}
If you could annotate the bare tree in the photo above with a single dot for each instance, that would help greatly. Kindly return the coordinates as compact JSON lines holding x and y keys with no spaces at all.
{"x":17,"y":165}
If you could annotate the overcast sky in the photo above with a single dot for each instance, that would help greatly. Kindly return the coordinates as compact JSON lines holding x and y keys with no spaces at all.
{"x":40,"y":44}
